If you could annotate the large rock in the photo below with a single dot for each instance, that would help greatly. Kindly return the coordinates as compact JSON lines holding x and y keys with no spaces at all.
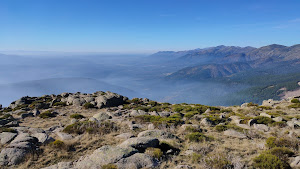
{"x":140,"y":143}
{"x":110,"y":99}
{"x":102,"y":116}
{"x":15,"y":152}
{"x":12,"y":156}
{"x":244,"y":126}
{"x":206,"y":122}
{"x":270,"y":102}
{"x":251,"y":122}
{"x":125,"y":136}
{"x":43,"y":137}
{"x":104,"y":155}
{"x":25,"y":115}
{"x":137,"y":161}
{"x":6,"y":137}
{"x":261,"y":127}
{"x":138,"y":113}
{"x":265,"y":115}
{"x":235,"y":119}
{"x":296,"y":162}
{"x":157,"y":134}
{"x":233,"y":133}
{"x":64,"y":136}
{"x":278,"y":119}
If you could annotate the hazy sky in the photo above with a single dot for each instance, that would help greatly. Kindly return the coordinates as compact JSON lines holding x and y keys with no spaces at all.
{"x":145,"y":25}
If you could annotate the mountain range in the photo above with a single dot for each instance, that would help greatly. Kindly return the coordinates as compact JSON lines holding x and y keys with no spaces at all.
{"x":224,"y":61}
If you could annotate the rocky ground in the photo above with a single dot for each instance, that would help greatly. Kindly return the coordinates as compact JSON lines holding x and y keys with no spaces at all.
{"x":106,"y":130}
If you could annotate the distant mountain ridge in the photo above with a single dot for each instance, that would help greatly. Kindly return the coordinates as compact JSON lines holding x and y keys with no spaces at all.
{"x":222,"y":61}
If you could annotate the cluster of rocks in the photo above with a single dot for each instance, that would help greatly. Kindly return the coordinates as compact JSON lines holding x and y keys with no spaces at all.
{"x":24,"y":141}
{"x":98,"y":99}
{"x":129,"y":154}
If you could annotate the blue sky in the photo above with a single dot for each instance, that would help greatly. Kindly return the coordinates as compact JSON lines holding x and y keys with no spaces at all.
{"x":145,"y":25}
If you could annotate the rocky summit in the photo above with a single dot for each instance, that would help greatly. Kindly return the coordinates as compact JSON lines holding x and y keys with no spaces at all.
{"x":105,"y":130}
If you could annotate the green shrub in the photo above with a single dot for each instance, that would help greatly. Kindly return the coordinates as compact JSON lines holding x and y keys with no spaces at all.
{"x":144,"y":108}
{"x":280,"y":124}
{"x":198,"y":137}
{"x":263,"y":120}
{"x":154,"y":152}
{"x":6,"y":116}
{"x":265,"y":107}
{"x":217,"y":161}
{"x":221,"y":128}
{"x":269,"y":161}
{"x":76,"y":116}
{"x":281,"y":152}
{"x":192,"y":129}
{"x":22,"y":112}
{"x":190,"y":114}
{"x":4,"y":129}
{"x":47,"y":114}
{"x":60,"y":104}
{"x":252,"y":104}
{"x":270,"y":142}
{"x":295,"y":100}
{"x":295,"y":105}
{"x":88,"y":106}
{"x":58,"y":144}
{"x":135,"y":100}
{"x":91,"y":128}
{"x":20,"y":107}
{"x":152,"y":103}
{"x":196,"y":157}
{"x":109,"y":166}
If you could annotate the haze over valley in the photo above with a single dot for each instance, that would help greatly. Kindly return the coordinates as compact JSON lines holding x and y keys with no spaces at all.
{"x":222,"y":75}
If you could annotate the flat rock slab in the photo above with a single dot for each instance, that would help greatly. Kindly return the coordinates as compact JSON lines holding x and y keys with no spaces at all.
{"x":7,"y":137}
{"x":104,"y":155}
{"x":233,"y":133}
{"x":140,"y":142}
{"x":137,"y":161}
{"x":157,"y":134}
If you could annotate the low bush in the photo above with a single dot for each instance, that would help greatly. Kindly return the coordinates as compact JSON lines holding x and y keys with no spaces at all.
{"x":6,"y":116}
{"x":154,"y":152}
{"x":91,"y":128}
{"x":265,"y":107}
{"x":47,"y":114}
{"x":295,"y":100}
{"x":60,"y":104}
{"x":198,"y":137}
{"x":272,"y":142}
{"x":5,"y":129}
{"x":269,"y":161}
{"x":252,"y":104}
{"x":280,"y":124}
{"x":195,"y":157}
{"x":190,"y":114}
{"x":158,"y":120}
{"x":77,"y":116}
{"x":88,"y":106}
{"x":221,"y":128}
{"x":218,"y":160}
{"x":263,"y":120}
{"x":281,"y":152}
{"x":295,"y":105}
{"x":109,"y":166}
{"x":58,"y":144}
